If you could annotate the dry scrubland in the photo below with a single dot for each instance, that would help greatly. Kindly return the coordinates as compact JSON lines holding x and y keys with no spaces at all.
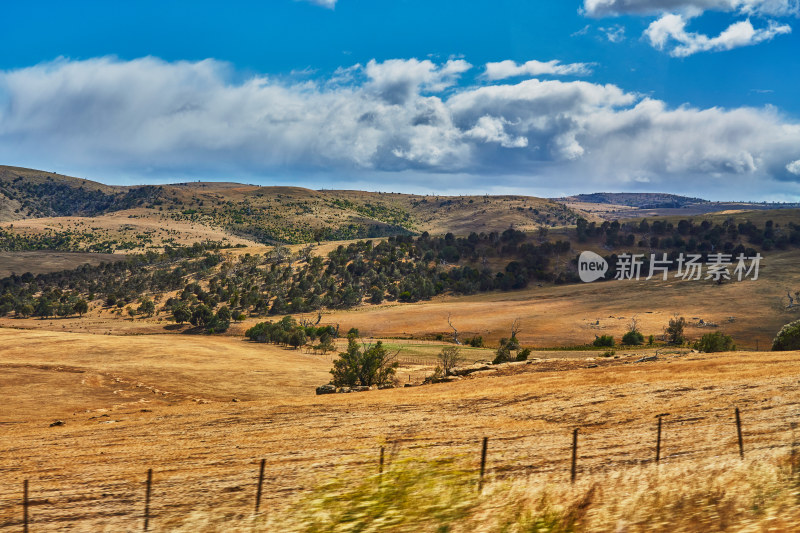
{"x":88,"y":474}
{"x":550,"y":315}
{"x":41,"y":262}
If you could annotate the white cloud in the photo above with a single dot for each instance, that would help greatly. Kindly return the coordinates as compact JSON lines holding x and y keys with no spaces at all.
{"x":671,"y":29}
{"x":509,"y":69}
{"x":330,"y":4}
{"x":399,"y":121}
{"x":615,"y":34}
{"x":397,"y":80}
{"x":601,"y":8}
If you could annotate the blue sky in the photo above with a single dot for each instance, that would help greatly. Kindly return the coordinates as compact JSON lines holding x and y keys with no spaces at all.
{"x":695,"y":97}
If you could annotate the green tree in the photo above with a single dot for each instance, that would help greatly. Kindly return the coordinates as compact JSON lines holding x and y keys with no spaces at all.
{"x":675,"y":330}
{"x":181,"y":313}
{"x":81,"y":307}
{"x":201,"y":315}
{"x":364,"y":365}
{"x":788,"y":338}
{"x":147,"y":307}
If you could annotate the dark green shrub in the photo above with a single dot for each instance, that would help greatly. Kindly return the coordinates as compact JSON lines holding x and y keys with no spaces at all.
{"x":715,"y":342}
{"x":603,"y":341}
{"x":788,"y":338}
{"x":633,"y":338}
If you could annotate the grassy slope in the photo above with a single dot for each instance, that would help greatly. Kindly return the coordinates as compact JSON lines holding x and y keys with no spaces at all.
{"x":89,"y":472}
{"x":264,"y":214}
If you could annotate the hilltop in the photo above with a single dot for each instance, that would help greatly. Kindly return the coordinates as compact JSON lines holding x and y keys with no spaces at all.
{"x":102,"y":217}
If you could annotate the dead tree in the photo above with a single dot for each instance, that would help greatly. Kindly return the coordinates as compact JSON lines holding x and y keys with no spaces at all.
{"x":455,"y":331}
{"x":792,"y":300}
{"x":515,"y":328}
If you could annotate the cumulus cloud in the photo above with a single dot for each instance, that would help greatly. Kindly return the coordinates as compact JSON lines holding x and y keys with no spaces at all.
{"x":671,"y":30}
{"x":603,"y":8}
{"x":397,"y":80}
{"x":509,"y":69}
{"x":394,"y":121}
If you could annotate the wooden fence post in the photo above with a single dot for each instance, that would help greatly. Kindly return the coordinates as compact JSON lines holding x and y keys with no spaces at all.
{"x":739,"y":433}
{"x":260,"y":484}
{"x":483,"y":462}
{"x":658,"y":440}
{"x":25,"y":506}
{"x":574,"y":455}
{"x":147,"y":499}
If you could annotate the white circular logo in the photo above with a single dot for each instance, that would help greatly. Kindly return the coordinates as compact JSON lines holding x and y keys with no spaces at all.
{"x":591,"y":266}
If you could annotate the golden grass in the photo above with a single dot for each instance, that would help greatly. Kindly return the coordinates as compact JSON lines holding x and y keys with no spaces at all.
{"x":89,"y":473}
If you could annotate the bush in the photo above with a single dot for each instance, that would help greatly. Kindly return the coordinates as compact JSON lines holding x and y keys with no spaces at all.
{"x":603,"y":341}
{"x":633,"y":338}
{"x":503,"y":355}
{"x":449,"y":358}
{"x":675,"y":330}
{"x":788,"y":338}
{"x":476,"y":342}
{"x":715,"y":342}
{"x":523,"y":354}
{"x":364,"y":365}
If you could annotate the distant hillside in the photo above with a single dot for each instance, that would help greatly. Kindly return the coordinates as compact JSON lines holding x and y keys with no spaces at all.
{"x":266,"y":215}
{"x":26,"y":193}
{"x":645,"y":200}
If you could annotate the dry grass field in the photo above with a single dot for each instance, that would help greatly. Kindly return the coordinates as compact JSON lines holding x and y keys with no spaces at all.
{"x":164,"y":402}
{"x":90,"y":403}
{"x":42,"y":262}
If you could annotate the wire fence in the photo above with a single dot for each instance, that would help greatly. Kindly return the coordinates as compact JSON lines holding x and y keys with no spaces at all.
{"x":572,"y":451}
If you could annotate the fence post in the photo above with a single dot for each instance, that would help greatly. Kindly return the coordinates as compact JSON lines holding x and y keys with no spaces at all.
{"x":380,"y":466}
{"x":25,"y":506}
{"x":658,"y":440}
{"x":574,"y":455}
{"x":147,"y":499}
{"x":260,"y":484}
{"x":483,"y":462}
{"x":739,"y":433}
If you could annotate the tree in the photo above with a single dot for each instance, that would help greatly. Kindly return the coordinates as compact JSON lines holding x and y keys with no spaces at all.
{"x":44,"y":307}
{"x":224,"y":313}
{"x":633,"y":337}
{"x":449,"y":358}
{"x":181,"y":313}
{"x":81,"y":307}
{"x":455,"y":331}
{"x":364,"y":365}
{"x":325,"y":343}
{"x":147,"y":307}
{"x":788,"y":338}
{"x":297,"y":338}
{"x":675,"y":330}
{"x":201,"y":315}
